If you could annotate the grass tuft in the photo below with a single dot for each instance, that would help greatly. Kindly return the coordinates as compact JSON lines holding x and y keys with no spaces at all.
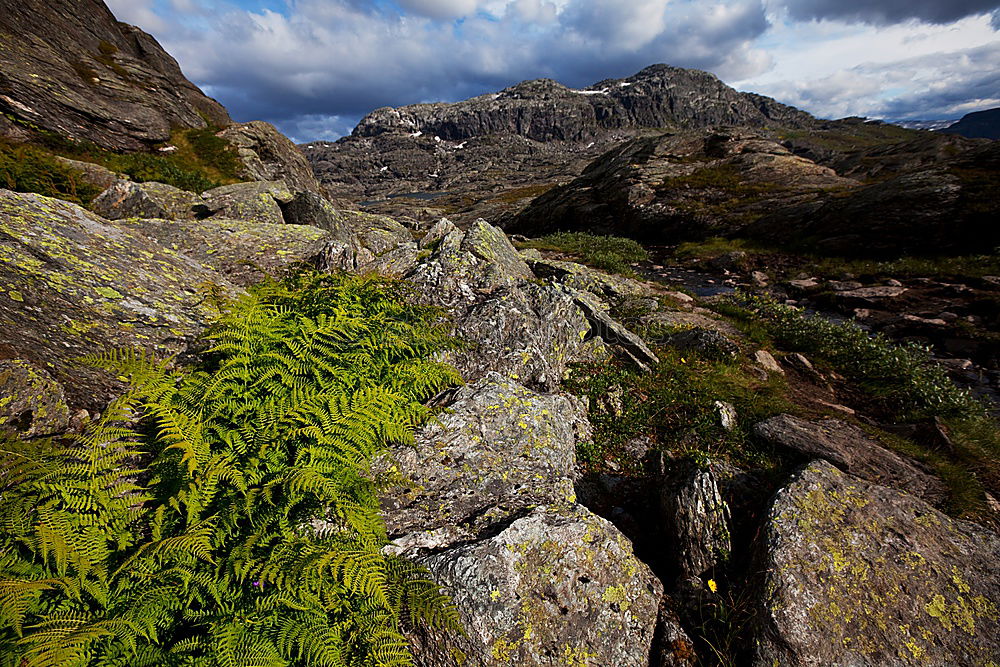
{"x":608,"y":253}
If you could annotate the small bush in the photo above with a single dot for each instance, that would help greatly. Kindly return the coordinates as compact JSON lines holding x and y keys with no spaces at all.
{"x":26,"y":168}
{"x":84,"y":71}
{"x":608,"y":253}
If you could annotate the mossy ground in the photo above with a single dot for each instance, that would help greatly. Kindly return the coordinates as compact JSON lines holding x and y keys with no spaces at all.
{"x":674,"y":409}
{"x":200,"y":162}
{"x":608,"y":253}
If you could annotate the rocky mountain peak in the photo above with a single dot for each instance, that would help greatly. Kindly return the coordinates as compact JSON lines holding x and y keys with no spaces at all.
{"x":545,"y":110}
{"x":69,"y":67}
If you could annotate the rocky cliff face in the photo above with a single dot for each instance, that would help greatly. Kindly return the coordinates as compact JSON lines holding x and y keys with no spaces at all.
{"x":69,"y":67}
{"x":926,"y":194}
{"x":545,"y":110}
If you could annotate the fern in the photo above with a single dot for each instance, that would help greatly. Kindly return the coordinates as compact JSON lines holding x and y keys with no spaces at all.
{"x":226,"y":514}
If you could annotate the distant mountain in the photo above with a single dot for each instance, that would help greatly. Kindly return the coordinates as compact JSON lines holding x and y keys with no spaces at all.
{"x":69,"y":67}
{"x":923,"y":124}
{"x":979,"y":124}
{"x":544,"y":110}
{"x":523,"y":138}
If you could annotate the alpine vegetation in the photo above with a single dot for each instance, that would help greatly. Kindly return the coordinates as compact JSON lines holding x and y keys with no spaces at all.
{"x":225,"y":513}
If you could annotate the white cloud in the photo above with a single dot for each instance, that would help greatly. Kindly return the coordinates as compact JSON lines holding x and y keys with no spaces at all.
{"x":137,"y":12}
{"x":837,"y":69}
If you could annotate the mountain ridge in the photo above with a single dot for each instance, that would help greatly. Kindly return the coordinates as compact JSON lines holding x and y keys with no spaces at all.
{"x":655,"y":96}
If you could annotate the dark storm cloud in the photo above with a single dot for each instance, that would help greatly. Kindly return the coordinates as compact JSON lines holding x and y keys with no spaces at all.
{"x":317,"y":66}
{"x":885,"y":12}
{"x":341,"y":59}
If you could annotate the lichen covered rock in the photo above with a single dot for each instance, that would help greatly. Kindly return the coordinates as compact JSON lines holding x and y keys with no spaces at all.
{"x":560,"y":586}
{"x":244,"y":252}
{"x":31,"y":402}
{"x":860,"y":574}
{"x":578,"y":276}
{"x":529,"y":332}
{"x":852,"y":450}
{"x":125,"y":199}
{"x":73,"y":284}
{"x":463,"y":266}
{"x":499,"y":449}
{"x":258,"y":201}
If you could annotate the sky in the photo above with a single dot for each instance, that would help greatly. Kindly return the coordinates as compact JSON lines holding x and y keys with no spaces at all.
{"x":315,"y":67}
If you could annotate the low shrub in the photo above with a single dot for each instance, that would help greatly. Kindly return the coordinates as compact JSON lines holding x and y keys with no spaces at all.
{"x":900,"y":376}
{"x":26,"y":168}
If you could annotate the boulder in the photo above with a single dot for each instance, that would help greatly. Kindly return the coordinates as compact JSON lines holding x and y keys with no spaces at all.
{"x":464,"y":266}
{"x":872,"y":294}
{"x":244,"y":252}
{"x":95,"y":174}
{"x":530,"y":332}
{"x":31,"y":402}
{"x":498,"y":450}
{"x":75,"y":284}
{"x":767,"y":361}
{"x":395,"y":263}
{"x":360,"y":242}
{"x":258,"y":201}
{"x":860,"y":574}
{"x":125,"y":199}
{"x":603,"y":285}
{"x":709,"y":343}
{"x":557,"y":586}
{"x":852,"y":450}
{"x":268,"y":155}
{"x":614,"y":333}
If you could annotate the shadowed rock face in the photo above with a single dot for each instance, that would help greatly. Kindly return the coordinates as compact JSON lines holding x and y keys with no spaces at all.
{"x":985,"y":124}
{"x":859,"y":574}
{"x":680,"y":185}
{"x":951,"y":207}
{"x":68,"y":66}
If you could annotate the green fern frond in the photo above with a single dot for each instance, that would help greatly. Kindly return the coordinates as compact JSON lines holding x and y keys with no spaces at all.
{"x":226,"y":514}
